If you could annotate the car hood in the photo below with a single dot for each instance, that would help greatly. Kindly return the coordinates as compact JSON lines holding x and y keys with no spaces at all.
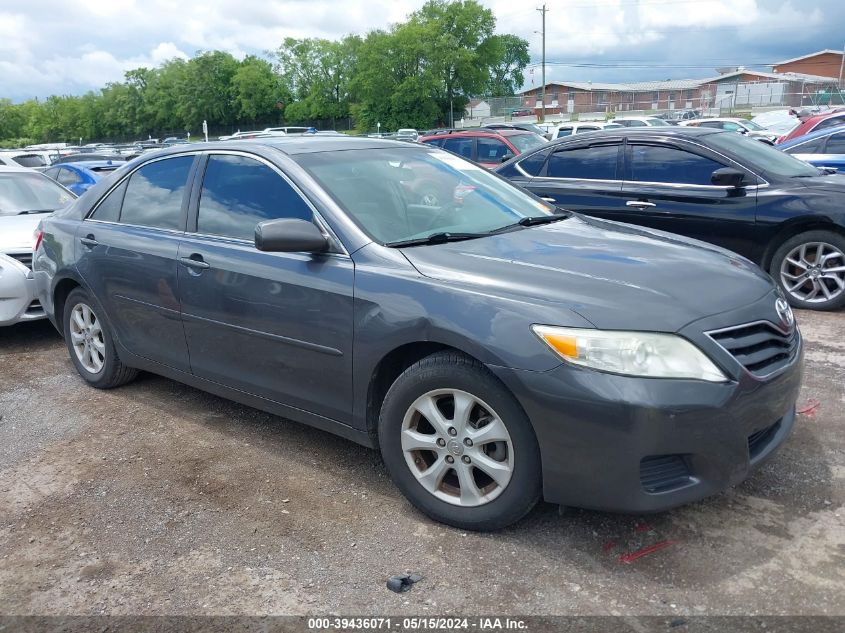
{"x":615,"y":275}
{"x":830,"y":182}
{"x":17,"y":232}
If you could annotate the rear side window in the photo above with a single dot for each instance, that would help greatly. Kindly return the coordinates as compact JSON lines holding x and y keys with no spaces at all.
{"x":491,"y":150}
{"x":437,"y":142}
{"x":154,"y":194}
{"x":835,"y":144}
{"x":831,"y":122}
{"x":564,"y":131}
{"x":670,"y":165}
{"x":459,"y":146}
{"x":239,"y":192}
{"x":109,"y":208}
{"x":68,"y":177}
{"x":810,"y":147}
{"x":587,"y":163}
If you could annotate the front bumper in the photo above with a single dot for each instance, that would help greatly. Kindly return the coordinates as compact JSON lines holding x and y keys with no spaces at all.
{"x":18,"y":301}
{"x":627,"y":444}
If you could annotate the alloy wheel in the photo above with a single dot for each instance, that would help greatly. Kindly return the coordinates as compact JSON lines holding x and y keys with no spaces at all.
{"x":814,"y":272}
{"x":457,"y":447}
{"x":86,"y":336}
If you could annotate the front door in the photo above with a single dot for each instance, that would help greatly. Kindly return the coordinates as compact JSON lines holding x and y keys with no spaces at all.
{"x":670,"y":188}
{"x":275,"y":325}
{"x":584,"y":178}
{"x":128,"y":249}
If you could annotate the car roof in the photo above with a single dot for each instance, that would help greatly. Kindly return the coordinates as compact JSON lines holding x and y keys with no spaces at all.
{"x":93,"y":164}
{"x":812,"y":135}
{"x":823,"y":116}
{"x":291,"y":145}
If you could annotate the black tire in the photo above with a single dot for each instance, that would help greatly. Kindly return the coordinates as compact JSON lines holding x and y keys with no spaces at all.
{"x":113,"y":372}
{"x":452,"y":370}
{"x":831,"y":238}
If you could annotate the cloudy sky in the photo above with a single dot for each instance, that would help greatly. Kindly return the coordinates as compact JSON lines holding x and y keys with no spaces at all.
{"x":70,"y":46}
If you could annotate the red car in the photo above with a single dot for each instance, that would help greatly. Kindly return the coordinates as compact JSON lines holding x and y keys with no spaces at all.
{"x":486,"y":147}
{"x":814,"y":124}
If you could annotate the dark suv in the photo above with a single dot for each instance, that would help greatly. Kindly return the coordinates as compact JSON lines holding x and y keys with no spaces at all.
{"x":712,"y":185}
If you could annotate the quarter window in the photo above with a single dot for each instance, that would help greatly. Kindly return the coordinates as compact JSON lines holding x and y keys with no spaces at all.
{"x":666,"y":164}
{"x":239,"y":192}
{"x":154,"y":194}
{"x":68,"y":177}
{"x":109,"y":208}
{"x":459,"y":146}
{"x":587,"y":163}
{"x":836,"y":144}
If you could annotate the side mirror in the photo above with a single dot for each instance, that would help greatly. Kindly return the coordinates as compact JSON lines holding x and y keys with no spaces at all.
{"x":727,"y":177}
{"x":290,"y":236}
{"x":507,"y":157}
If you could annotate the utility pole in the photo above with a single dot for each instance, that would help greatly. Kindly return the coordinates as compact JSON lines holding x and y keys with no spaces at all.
{"x":841,"y":67}
{"x":543,"y":90}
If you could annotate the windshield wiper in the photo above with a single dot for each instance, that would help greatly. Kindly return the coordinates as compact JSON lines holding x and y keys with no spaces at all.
{"x":436,"y":238}
{"x":535,"y":220}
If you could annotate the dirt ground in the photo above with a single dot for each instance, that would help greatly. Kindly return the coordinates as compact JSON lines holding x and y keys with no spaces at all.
{"x":156,"y":498}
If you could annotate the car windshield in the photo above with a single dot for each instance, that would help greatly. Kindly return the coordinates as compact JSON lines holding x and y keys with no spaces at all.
{"x":655,"y":122}
{"x":762,"y":157}
{"x":527,"y":141}
{"x":753,"y":126}
{"x":22,"y":192}
{"x":397,"y":194}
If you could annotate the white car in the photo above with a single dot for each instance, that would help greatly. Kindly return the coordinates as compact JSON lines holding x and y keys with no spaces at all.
{"x":288,"y":129}
{"x":640,"y":121}
{"x":407,"y":134}
{"x":579,"y":127}
{"x":239,"y":134}
{"x":25,"y":196}
{"x":780,"y":122}
{"x":743,"y":126}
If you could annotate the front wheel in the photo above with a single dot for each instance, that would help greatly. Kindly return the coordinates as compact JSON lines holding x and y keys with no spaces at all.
{"x":91,"y":344}
{"x":458,"y":445}
{"x":810,"y":268}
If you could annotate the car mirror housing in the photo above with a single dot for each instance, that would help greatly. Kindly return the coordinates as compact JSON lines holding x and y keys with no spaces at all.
{"x":727,"y":177}
{"x":506,"y":157}
{"x":290,"y":236}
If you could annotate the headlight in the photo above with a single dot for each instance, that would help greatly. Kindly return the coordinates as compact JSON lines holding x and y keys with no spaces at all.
{"x":631,"y":353}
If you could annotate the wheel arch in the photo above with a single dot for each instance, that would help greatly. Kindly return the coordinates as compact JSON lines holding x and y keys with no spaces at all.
{"x":62,"y":289}
{"x":794,"y":227}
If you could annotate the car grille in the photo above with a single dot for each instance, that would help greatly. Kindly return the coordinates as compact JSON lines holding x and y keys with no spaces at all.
{"x":759,"y":347}
{"x":23,"y":258}
{"x":659,"y":473}
{"x":759,"y":440}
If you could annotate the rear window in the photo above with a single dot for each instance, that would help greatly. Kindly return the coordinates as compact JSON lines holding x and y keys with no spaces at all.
{"x":526,"y":142}
{"x":30,"y":160}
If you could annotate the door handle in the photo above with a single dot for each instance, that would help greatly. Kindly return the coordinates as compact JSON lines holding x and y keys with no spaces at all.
{"x":640,"y":204}
{"x":548,"y":199}
{"x":192,"y":262}
{"x":89,"y":241}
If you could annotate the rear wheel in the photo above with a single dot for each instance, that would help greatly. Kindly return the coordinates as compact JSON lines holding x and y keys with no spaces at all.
{"x":458,"y":445}
{"x":810,"y":268}
{"x":91,"y":345}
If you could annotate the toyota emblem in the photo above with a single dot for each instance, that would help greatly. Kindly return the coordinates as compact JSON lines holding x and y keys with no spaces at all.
{"x":785,"y":313}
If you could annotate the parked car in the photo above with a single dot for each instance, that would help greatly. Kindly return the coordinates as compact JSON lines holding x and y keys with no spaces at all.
{"x":17,"y":158}
{"x":25,"y":196}
{"x":580,"y":127}
{"x":287,"y":129}
{"x":743,"y":126}
{"x":241,"y":135}
{"x":780,"y":122}
{"x":816,"y":123}
{"x":825,"y":148}
{"x":640,"y":121}
{"x":711,"y":185}
{"x":522,"y":112}
{"x":84,"y":158}
{"x":407,"y":134}
{"x":174,"y":140}
{"x":80,"y":177}
{"x":487,"y":147}
{"x":494,"y":349}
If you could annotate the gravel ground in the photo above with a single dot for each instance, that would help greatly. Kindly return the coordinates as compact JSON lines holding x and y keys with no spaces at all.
{"x":157,"y":498}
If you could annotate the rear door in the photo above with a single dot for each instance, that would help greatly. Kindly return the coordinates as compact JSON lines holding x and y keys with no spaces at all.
{"x":584,"y":177}
{"x":275,"y":325}
{"x":669,"y":187}
{"x":128,"y":248}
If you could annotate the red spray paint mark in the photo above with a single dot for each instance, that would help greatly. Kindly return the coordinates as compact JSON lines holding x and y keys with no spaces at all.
{"x":608,"y":546}
{"x":630,"y":557}
{"x":810,"y":408}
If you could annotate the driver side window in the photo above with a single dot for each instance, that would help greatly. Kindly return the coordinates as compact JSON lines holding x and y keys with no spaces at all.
{"x":239,"y":192}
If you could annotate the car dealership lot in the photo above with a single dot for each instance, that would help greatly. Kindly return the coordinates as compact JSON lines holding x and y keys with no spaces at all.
{"x":158,"y":498}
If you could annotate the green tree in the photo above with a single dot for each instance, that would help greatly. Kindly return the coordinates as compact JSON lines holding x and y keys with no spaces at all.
{"x":506,"y":57}
{"x":258,"y":90}
{"x":205,"y":90}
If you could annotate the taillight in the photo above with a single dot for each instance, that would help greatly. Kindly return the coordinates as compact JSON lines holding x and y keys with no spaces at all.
{"x":39,"y":234}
